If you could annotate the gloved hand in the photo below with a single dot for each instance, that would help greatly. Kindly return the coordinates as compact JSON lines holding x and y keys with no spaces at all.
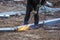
{"x":34,"y":12}
{"x":49,"y":4}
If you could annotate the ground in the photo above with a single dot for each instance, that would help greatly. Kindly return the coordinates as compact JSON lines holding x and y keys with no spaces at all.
{"x":34,"y":34}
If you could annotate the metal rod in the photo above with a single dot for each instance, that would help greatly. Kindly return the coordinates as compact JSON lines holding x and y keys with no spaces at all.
{"x":7,"y":29}
{"x":48,"y":22}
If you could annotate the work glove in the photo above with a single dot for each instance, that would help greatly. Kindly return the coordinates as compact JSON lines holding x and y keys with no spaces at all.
{"x":49,"y":4}
{"x":34,"y":12}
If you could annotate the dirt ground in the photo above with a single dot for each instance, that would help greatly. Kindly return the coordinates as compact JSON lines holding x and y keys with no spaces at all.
{"x":34,"y":34}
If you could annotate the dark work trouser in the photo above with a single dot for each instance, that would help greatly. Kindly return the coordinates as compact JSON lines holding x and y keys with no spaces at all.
{"x":29,"y":8}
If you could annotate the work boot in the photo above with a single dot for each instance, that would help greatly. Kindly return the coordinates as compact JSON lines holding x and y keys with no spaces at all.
{"x":34,"y":26}
{"x":25,"y":23}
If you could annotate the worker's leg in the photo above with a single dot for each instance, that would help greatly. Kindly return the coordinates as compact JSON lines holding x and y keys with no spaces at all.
{"x":27,"y":16}
{"x":36,"y":19}
{"x":36,"y":16}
